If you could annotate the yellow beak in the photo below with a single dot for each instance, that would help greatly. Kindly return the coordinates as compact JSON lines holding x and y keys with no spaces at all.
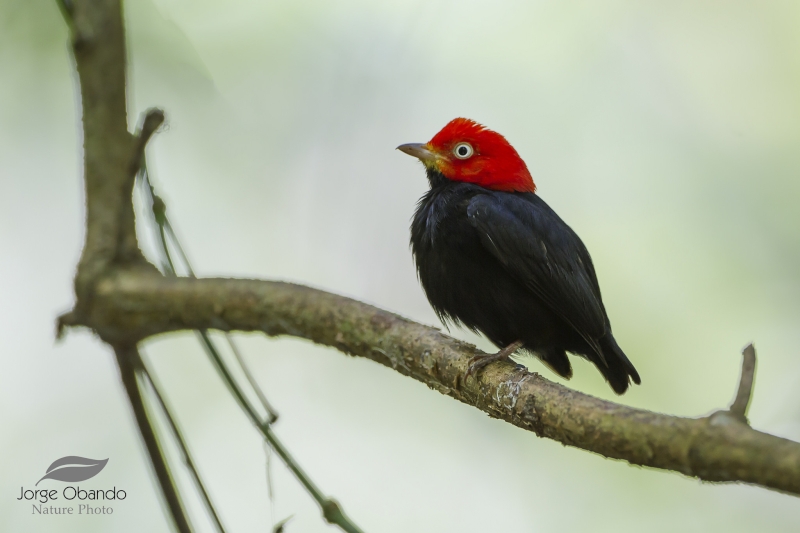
{"x":420,"y":151}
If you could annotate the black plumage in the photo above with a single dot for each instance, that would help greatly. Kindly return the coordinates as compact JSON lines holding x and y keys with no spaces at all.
{"x":505,"y":264}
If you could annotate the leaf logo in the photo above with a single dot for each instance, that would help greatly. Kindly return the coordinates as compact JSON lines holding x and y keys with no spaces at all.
{"x":73,"y":469}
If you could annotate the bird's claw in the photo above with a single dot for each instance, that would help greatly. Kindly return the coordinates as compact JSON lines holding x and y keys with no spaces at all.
{"x":478,"y":362}
{"x":481,"y":360}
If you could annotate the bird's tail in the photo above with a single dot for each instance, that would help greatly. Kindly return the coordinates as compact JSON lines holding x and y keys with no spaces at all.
{"x":620,"y":371}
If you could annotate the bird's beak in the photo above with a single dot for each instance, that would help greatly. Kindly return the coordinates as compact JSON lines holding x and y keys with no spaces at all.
{"x":420,"y":151}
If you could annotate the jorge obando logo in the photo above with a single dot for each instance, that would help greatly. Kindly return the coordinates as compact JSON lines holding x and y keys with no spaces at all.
{"x":72,"y":499}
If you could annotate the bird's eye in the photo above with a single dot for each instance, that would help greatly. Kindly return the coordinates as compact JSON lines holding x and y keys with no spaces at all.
{"x":463,"y":150}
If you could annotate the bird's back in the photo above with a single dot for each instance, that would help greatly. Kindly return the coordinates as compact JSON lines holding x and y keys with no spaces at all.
{"x":506,"y":265}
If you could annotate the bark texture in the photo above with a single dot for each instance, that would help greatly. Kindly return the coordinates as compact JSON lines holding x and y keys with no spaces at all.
{"x":130,"y":306}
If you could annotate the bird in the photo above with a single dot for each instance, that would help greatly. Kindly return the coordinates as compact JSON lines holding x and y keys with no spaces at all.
{"x":493,"y":257}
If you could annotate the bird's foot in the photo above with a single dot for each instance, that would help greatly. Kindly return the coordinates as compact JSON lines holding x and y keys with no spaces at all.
{"x":480,"y":361}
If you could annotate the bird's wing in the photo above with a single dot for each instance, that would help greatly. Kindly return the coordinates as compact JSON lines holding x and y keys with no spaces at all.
{"x":545,"y":255}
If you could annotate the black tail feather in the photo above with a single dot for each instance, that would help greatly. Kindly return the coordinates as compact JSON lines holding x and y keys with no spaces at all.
{"x":557,"y":360}
{"x":620,"y":371}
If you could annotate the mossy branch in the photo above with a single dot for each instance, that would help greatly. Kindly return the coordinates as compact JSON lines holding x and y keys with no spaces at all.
{"x":720,"y":447}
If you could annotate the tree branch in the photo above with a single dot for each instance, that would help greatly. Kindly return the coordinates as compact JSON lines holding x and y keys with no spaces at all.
{"x":98,"y":45}
{"x":130,"y":368}
{"x":131,"y":306}
{"x":742,"y":401}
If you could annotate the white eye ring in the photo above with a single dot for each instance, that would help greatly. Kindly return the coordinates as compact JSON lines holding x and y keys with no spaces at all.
{"x":463,"y":150}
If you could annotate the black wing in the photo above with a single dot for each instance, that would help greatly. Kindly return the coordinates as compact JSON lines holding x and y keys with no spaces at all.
{"x":545,"y":255}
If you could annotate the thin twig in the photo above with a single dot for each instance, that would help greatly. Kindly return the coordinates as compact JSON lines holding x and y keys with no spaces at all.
{"x":273,"y":415}
{"x":153,"y":119}
{"x":159,"y":212}
{"x":742,"y":401}
{"x":164,"y":224}
{"x":179,"y":248}
{"x":130,"y":367}
{"x":270,"y":487}
{"x":280,"y":526}
{"x":187,"y":457}
{"x":331,"y":510}
{"x":65,"y":6}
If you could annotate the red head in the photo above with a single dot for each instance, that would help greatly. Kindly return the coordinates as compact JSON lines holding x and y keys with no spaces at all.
{"x":466,"y":151}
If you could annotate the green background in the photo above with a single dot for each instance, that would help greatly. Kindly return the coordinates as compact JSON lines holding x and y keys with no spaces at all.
{"x":666,"y":133}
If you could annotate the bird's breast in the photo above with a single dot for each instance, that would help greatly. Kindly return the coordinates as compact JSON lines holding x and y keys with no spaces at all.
{"x":452,"y":265}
